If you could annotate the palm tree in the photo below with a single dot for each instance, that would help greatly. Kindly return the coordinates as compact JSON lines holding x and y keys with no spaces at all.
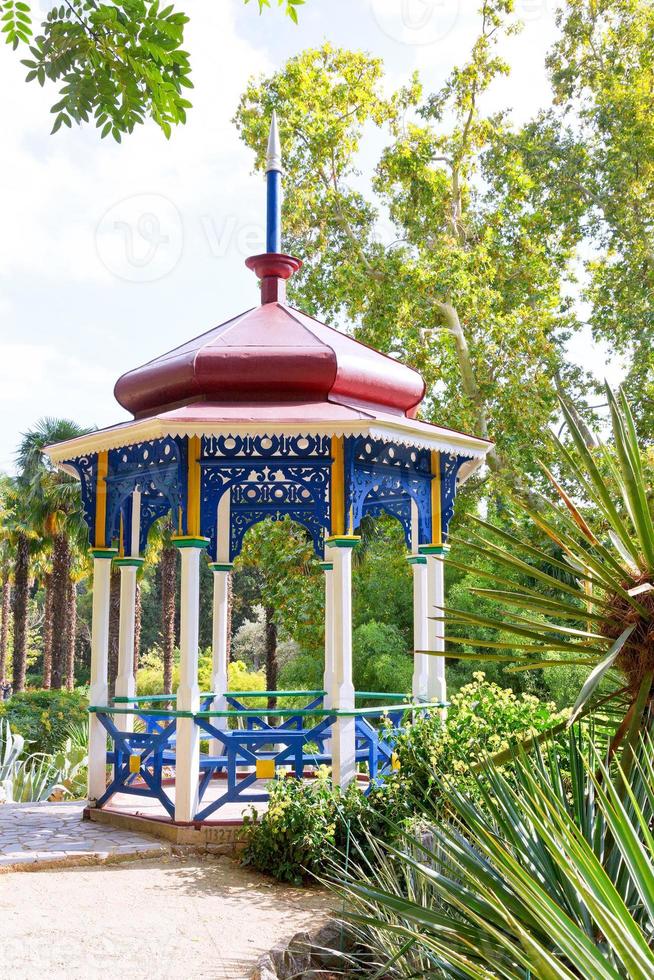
{"x":5,"y":576}
{"x":55,"y":504}
{"x":19,"y":535}
{"x":593,"y":604}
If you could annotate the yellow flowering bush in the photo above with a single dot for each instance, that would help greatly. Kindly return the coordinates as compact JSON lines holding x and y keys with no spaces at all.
{"x":45,"y":718}
{"x":483,"y":719}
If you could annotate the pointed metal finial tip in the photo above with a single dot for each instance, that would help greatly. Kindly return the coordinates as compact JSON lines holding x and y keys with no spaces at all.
{"x":274,"y":152}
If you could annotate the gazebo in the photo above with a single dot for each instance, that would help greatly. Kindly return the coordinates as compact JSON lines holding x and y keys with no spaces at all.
{"x":271,"y":414}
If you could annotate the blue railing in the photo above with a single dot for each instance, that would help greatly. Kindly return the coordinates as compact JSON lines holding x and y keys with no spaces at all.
{"x":246,"y":745}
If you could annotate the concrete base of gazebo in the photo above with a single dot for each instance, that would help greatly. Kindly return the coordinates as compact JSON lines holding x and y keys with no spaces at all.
{"x":224,"y":835}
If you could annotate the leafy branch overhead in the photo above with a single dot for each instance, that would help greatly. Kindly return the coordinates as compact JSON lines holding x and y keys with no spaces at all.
{"x":117,"y":63}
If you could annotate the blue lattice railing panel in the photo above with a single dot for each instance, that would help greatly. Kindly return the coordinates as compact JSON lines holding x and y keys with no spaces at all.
{"x":138,"y":759}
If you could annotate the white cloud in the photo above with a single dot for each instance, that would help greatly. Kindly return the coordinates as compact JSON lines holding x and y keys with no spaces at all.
{"x":73,"y":315}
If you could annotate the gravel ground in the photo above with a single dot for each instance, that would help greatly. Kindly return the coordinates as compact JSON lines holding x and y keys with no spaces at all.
{"x":164,"y":917}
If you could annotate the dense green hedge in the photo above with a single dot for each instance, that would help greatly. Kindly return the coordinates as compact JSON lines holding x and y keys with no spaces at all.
{"x":44,"y":718}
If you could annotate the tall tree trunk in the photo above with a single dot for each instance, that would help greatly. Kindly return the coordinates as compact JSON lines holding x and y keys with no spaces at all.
{"x":47,"y":634}
{"x":168,"y":582}
{"x":59,"y":579}
{"x":138,"y":615}
{"x":21,"y":595}
{"x":4,"y":623}
{"x":71,"y":634}
{"x":114,"y":621}
{"x":271,"y":654}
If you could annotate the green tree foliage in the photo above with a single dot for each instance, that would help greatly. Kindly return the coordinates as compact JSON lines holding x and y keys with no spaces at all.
{"x":591,"y":158}
{"x":471,"y":289}
{"x":116,"y":63}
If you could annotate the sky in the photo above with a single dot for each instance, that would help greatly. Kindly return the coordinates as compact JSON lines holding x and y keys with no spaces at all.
{"x":112,"y":254}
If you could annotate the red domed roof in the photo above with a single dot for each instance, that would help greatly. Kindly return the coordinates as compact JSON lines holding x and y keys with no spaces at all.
{"x":272,"y":353}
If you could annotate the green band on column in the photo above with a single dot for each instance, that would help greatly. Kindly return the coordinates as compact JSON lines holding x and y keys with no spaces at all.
{"x":326,"y":566}
{"x":433,"y":549}
{"x":416,"y":559}
{"x":104,"y":552}
{"x":343,"y":541}
{"x":221,"y":566}
{"x":188,"y":541}
{"x":129,"y":562}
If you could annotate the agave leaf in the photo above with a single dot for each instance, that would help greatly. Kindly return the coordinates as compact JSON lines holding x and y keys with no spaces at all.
{"x":593,"y":481}
{"x":630,"y":843}
{"x":596,"y":675}
{"x":545,"y":605}
{"x":596,"y":558}
{"x":624,"y":554}
{"x":576,"y":516}
{"x":525,"y":546}
{"x":633,"y":485}
{"x":524,"y":627}
{"x":498,"y":579}
{"x":493,"y":553}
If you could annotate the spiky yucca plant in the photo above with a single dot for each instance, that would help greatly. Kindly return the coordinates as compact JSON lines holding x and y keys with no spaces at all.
{"x":550,"y":876}
{"x":592,"y":603}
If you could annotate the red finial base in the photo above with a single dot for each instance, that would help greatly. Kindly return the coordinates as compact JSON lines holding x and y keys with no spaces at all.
{"x":273,"y":269}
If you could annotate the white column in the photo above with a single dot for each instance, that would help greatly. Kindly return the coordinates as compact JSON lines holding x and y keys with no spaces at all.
{"x":187,"y":763}
{"x":125,"y":680}
{"x":99,"y":689}
{"x":343,"y":740}
{"x":437,"y":688}
{"x":329,"y":677}
{"x":220,"y":635}
{"x":421,"y":660}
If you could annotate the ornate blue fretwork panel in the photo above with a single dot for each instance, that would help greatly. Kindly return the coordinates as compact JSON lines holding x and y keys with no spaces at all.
{"x":450,"y":466}
{"x":86,"y":468}
{"x":157,"y":468}
{"x":384,"y":477}
{"x":267,"y":477}
{"x":395,"y":505}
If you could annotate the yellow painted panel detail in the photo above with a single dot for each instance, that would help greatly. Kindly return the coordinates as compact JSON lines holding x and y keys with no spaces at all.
{"x":134,"y":763}
{"x":436,"y":529}
{"x":337,"y":486}
{"x":193,"y":513}
{"x":101,"y":500}
{"x":265,"y":769}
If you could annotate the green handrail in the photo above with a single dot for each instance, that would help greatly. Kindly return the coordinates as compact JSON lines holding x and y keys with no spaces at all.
{"x":103,"y":709}
{"x":210,"y":694}
{"x":272,"y":712}
{"x":274,"y":694}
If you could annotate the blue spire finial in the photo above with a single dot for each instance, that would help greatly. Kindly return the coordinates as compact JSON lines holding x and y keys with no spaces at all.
{"x":274,"y":189}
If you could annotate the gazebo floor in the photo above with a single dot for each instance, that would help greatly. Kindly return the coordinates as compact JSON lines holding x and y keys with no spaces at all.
{"x":221,"y":834}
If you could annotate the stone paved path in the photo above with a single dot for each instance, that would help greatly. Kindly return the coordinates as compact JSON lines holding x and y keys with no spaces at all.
{"x":54,"y":833}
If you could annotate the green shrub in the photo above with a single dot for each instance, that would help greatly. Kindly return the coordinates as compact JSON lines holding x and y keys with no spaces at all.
{"x":305,"y":821}
{"x":482,"y":720}
{"x":45,"y":718}
{"x":381,"y":659}
{"x":149,"y":677}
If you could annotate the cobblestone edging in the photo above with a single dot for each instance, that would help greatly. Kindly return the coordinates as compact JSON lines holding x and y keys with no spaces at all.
{"x":306,"y":955}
